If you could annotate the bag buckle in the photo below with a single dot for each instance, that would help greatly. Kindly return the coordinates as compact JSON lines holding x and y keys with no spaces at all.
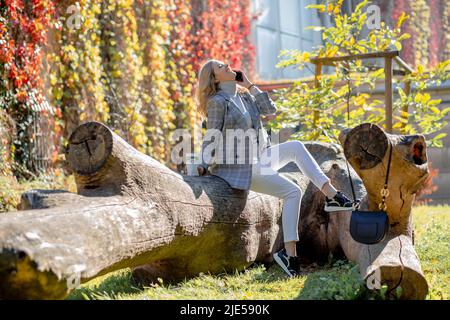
{"x":384,"y":194}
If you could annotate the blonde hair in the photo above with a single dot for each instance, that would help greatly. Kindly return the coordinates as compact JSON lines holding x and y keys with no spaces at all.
{"x":206,"y":87}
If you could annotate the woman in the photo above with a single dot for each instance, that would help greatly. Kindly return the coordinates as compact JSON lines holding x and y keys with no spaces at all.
{"x":228,"y":105}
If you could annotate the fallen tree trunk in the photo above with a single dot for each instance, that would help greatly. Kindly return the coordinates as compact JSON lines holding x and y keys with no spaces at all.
{"x":132,"y":211}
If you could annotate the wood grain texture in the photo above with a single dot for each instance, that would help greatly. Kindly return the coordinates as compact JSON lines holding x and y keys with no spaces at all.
{"x":367,"y":149}
{"x":132,"y":211}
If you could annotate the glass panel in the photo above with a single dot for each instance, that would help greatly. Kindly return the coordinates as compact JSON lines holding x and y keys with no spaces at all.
{"x":307,"y":45}
{"x":290,"y":15}
{"x":268,"y":10}
{"x":290,"y":42}
{"x":306,"y":18}
{"x":268,"y":49}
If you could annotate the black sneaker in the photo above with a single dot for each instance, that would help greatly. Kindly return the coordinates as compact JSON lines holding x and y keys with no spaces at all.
{"x":287,"y":263}
{"x":340,"y":202}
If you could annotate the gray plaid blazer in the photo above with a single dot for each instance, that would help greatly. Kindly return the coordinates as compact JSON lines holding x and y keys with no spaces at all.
{"x":222,"y":114}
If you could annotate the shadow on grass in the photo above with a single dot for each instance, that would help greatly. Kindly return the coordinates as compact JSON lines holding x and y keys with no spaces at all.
{"x":112,"y":287}
{"x":340,"y":281}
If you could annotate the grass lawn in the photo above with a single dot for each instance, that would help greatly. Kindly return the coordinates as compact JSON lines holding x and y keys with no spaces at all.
{"x":340,"y":280}
{"x":11,"y":189}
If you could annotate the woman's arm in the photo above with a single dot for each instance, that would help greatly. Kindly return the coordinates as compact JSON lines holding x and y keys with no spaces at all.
{"x":262,"y":99}
{"x":264,"y":103}
{"x":214,"y":120}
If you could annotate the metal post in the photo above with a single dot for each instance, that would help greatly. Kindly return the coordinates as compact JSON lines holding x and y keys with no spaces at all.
{"x":317,"y":77}
{"x":388,"y":72}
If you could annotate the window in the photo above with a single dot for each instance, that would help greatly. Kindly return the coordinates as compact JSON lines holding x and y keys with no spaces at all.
{"x":281,"y":25}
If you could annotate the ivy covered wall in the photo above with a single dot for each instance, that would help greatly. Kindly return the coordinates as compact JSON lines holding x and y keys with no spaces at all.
{"x":131,"y":64}
{"x":428,"y":25}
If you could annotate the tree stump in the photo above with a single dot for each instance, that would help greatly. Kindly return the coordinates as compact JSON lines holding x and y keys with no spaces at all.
{"x":393,"y":261}
{"x":132,"y":211}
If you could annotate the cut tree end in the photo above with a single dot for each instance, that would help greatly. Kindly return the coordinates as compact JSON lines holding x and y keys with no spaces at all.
{"x":89,"y":147}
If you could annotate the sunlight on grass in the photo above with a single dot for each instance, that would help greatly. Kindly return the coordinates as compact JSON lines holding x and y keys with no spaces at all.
{"x":432,"y":243}
{"x":12,"y":189}
{"x":339,"y":281}
{"x":342,"y":282}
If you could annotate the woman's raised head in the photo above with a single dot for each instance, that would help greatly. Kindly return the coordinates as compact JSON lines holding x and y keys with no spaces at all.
{"x":211,"y":73}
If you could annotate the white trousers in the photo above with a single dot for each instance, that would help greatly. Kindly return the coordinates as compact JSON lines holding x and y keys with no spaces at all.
{"x":266,"y":179}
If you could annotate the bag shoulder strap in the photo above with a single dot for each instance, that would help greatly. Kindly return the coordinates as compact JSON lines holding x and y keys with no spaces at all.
{"x":385,"y":190}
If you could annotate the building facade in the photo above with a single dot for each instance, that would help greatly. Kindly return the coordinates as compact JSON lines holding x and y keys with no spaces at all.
{"x":281,"y":25}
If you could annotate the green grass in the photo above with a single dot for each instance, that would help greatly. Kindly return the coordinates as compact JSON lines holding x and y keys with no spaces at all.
{"x":339,"y":280}
{"x":255,"y":283}
{"x":11,"y":189}
{"x":432,"y":243}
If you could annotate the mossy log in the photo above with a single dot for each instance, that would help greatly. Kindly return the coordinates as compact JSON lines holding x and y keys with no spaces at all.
{"x":132,"y":211}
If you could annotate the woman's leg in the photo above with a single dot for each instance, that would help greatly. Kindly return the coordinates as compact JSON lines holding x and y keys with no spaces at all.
{"x":279,"y":155}
{"x":266,"y":179}
{"x":274,"y":184}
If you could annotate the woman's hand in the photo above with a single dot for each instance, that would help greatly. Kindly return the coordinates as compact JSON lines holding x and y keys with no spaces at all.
{"x":201,"y":170}
{"x":269,"y":117}
{"x":246,"y":83}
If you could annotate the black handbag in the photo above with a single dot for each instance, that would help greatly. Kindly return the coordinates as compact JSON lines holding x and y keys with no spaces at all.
{"x":371,"y":227}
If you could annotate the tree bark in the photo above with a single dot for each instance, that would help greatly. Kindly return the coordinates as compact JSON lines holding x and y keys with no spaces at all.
{"x":367,"y":150}
{"x":132,"y":211}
